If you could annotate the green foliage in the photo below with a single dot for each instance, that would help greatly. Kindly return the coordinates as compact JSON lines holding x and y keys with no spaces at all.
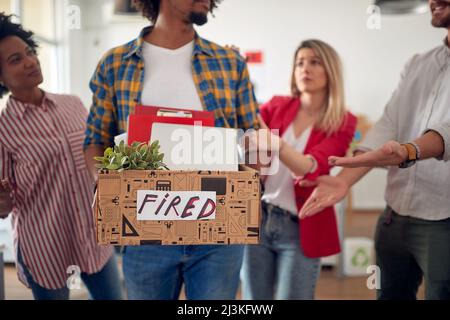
{"x":138,"y":156}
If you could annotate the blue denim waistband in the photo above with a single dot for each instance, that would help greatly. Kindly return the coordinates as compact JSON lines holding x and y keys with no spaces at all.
{"x":277,"y":210}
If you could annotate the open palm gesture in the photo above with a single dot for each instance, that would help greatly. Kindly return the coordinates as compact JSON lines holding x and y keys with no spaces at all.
{"x":329,"y":191}
{"x":390,"y":154}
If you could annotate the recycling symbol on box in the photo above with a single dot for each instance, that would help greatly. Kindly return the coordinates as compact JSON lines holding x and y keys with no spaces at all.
{"x":360,"y":258}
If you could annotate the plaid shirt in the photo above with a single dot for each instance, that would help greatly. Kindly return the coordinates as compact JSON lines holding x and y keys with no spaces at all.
{"x":220,"y":75}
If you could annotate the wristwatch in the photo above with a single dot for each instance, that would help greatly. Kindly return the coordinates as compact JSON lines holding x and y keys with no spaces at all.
{"x":413,"y":155}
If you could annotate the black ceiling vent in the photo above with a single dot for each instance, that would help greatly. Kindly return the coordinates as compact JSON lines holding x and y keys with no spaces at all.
{"x":402,"y":6}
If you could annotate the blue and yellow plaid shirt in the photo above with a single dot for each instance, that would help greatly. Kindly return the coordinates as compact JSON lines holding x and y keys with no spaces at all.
{"x":220,"y":74}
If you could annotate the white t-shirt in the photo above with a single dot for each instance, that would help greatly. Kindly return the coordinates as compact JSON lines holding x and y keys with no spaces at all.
{"x":279,"y":188}
{"x":168,"y":80}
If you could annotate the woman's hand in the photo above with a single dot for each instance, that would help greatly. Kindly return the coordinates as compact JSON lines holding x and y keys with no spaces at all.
{"x":329,"y":191}
{"x":5,"y":199}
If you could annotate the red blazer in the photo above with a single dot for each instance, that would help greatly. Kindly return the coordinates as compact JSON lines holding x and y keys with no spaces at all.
{"x":319,"y":235}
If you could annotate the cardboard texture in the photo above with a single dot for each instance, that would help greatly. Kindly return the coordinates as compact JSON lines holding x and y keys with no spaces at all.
{"x":237,"y":217}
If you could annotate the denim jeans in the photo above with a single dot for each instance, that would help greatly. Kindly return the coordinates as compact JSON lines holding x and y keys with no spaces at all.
{"x":104,"y":285}
{"x":277,"y":268}
{"x":158,"y":272}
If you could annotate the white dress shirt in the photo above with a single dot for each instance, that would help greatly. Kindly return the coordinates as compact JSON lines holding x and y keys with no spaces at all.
{"x":421,"y":101}
{"x":444,"y":130}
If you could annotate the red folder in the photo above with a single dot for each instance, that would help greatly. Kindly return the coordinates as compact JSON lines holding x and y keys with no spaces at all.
{"x":140,"y":126}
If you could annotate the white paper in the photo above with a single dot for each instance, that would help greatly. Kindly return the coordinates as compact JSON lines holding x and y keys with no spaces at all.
{"x":188,"y":147}
{"x":123,"y":137}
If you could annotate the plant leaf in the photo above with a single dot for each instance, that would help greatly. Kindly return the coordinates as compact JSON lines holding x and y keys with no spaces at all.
{"x":108,"y":152}
{"x":113,"y":167}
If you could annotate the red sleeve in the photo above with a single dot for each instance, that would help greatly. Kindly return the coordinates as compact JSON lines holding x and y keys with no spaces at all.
{"x":334,"y":145}
{"x":266,"y":110}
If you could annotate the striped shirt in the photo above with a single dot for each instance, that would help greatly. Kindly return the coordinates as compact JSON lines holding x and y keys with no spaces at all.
{"x":220,"y":75}
{"x":41,"y":154}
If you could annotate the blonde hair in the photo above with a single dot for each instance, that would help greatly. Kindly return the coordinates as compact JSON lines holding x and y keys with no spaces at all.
{"x":334,"y":112}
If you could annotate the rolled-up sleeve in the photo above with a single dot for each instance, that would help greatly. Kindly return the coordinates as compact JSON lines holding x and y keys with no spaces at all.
{"x":443,"y":130}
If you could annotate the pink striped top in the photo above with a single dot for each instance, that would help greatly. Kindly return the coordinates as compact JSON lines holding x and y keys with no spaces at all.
{"x":41,"y":154}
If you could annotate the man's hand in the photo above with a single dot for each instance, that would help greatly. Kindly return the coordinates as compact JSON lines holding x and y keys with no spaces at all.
{"x":391,"y":154}
{"x":329,"y":191}
{"x":263,"y":139}
{"x":5,"y":199}
{"x":260,"y":146}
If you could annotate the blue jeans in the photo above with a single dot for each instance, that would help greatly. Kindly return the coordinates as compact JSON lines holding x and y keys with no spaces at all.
{"x":277,"y":268}
{"x":158,"y":272}
{"x":104,"y":285}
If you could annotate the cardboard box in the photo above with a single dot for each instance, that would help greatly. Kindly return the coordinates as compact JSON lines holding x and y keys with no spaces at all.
{"x":237,"y":218}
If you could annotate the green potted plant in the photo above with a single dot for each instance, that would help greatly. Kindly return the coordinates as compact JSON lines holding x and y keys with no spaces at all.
{"x":138,"y":156}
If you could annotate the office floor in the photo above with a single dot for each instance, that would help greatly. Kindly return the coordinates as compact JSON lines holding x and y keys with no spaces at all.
{"x":330,"y":286}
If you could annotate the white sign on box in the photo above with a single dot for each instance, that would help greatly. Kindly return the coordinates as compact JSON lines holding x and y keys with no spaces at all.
{"x":188,"y":147}
{"x":175,"y":205}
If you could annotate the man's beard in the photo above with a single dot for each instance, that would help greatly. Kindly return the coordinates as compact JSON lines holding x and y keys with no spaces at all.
{"x":197,"y":18}
{"x":442,"y":21}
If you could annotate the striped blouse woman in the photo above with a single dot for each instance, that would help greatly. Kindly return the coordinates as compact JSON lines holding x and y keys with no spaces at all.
{"x":44,"y":180}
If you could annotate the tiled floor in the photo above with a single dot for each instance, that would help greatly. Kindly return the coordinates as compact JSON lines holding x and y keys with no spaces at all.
{"x":330,"y":286}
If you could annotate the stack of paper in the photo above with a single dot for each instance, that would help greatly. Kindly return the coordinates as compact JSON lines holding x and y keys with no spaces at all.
{"x":187,"y":138}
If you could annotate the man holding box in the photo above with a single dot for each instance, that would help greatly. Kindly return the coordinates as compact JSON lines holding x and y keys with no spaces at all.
{"x":169,"y":65}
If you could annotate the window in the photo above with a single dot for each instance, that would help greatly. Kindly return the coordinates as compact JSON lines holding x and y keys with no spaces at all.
{"x":39,"y":16}
{"x":5,"y":6}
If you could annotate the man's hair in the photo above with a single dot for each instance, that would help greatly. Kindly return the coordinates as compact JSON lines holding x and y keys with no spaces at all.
{"x":9,"y":29}
{"x":150,"y":8}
